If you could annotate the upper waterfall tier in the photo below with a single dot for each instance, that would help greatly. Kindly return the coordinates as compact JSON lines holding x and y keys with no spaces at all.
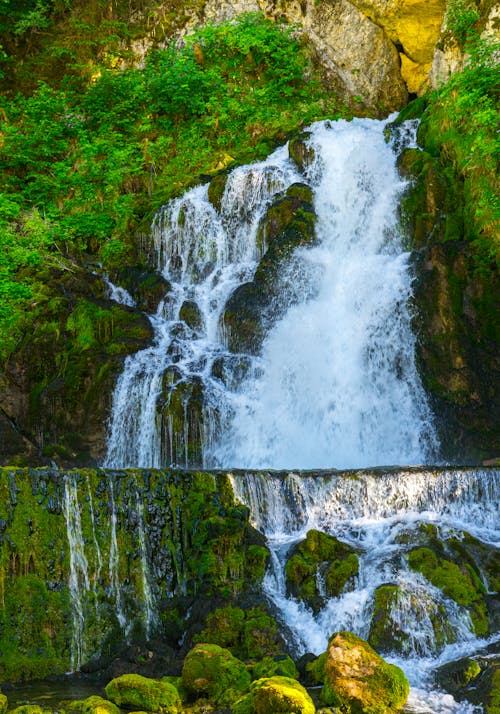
{"x":335,"y":384}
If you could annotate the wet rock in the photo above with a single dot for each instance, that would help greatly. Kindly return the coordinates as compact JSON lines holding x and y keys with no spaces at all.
{"x":300,"y":152}
{"x":216,"y":189}
{"x":454,"y":677}
{"x":387,"y":634}
{"x":320,"y":557}
{"x":356,"y":679}
{"x":148,"y":287}
{"x":273,"y":695}
{"x":191,"y":315}
{"x":213,"y":672}
{"x":475,"y":680}
{"x":255,"y":306}
{"x":151,"y":695}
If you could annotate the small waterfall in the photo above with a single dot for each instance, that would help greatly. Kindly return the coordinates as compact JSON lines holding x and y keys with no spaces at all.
{"x":98,"y":555}
{"x":205,"y":255}
{"x":114,"y":562}
{"x":79,"y":582}
{"x":118,"y":294}
{"x":380,"y":513}
{"x":151,"y":618}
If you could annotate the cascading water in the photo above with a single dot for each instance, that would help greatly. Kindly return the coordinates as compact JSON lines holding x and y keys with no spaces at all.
{"x":381,"y":515}
{"x":336,"y":383}
{"x":205,"y":255}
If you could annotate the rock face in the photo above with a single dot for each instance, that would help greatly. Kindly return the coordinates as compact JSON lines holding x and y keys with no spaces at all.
{"x":76,"y":542}
{"x":56,"y":389}
{"x":457,"y":330}
{"x":358,"y":681}
{"x":376,"y":50}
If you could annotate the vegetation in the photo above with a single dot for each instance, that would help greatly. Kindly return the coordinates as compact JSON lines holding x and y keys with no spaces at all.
{"x":85,"y":168}
{"x":461,"y":126}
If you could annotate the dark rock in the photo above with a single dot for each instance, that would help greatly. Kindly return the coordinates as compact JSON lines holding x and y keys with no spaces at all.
{"x":300,"y":152}
{"x":191,"y":315}
{"x":216,"y":189}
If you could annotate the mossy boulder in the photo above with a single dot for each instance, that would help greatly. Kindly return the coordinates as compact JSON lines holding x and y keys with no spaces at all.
{"x":357,"y":680}
{"x":4,"y":704}
{"x":133,"y":691}
{"x":301,"y":152}
{"x":255,"y":306}
{"x":281,"y":665}
{"x":454,"y":677}
{"x":386,"y":633}
{"x":275,"y":695}
{"x":28,"y":709}
{"x":98,"y":705}
{"x":320,"y":556}
{"x":213,"y":672}
{"x":249,"y":634}
{"x":460,"y":583}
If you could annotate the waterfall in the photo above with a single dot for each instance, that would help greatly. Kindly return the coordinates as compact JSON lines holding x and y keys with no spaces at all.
{"x":336,"y":382}
{"x":79,"y":582}
{"x":114,"y":561}
{"x":151,"y":618}
{"x":380,"y":513}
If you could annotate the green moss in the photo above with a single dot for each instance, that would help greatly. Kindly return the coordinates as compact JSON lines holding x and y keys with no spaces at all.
{"x":4,"y":704}
{"x":275,"y":695}
{"x":133,"y":691}
{"x":212,"y":671}
{"x":280,"y":665}
{"x":98,"y":705}
{"x":455,"y":582}
{"x":493,"y":703}
{"x":320,"y":553}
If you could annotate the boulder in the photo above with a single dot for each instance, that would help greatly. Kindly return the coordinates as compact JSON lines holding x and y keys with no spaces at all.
{"x":300,"y":152}
{"x":136,"y":692}
{"x":320,"y":556}
{"x":191,"y":315}
{"x":357,"y":680}
{"x":216,"y":189}
{"x":213,"y":672}
{"x":98,"y":705}
{"x":275,"y":695}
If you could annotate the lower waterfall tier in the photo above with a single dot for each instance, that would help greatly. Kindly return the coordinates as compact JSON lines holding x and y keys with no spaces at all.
{"x":99,"y":565}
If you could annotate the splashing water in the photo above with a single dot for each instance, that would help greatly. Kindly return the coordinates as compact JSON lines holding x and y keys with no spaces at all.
{"x":380,"y":514}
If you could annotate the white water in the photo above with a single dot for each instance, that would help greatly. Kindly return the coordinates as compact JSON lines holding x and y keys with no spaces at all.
{"x":114,"y":562}
{"x":371,"y":512}
{"x":336,"y":384}
{"x":79,"y":582}
{"x":205,"y":255}
{"x":151,"y":618}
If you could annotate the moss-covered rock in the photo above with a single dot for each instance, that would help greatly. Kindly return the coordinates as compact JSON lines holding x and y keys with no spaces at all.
{"x":275,"y":695}
{"x":460,"y":583}
{"x":386,"y":633}
{"x":320,"y":556}
{"x":300,"y":151}
{"x":147,"y":286}
{"x":281,"y":665}
{"x":98,"y":705}
{"x":191,"y":315}
{"x":152,"y":695}
{"x":213,"y":672}
{"x":4,"y":703}
{"x":248,"y":634}
{"x":28,"y":709}
{"x":454,"y":677}
{"x":358,"y":681}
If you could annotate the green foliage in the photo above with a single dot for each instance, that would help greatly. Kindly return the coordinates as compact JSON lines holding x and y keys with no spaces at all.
{"x":84,"y":168}
{"x":461,"y":16}
{"x":462,"y":125}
